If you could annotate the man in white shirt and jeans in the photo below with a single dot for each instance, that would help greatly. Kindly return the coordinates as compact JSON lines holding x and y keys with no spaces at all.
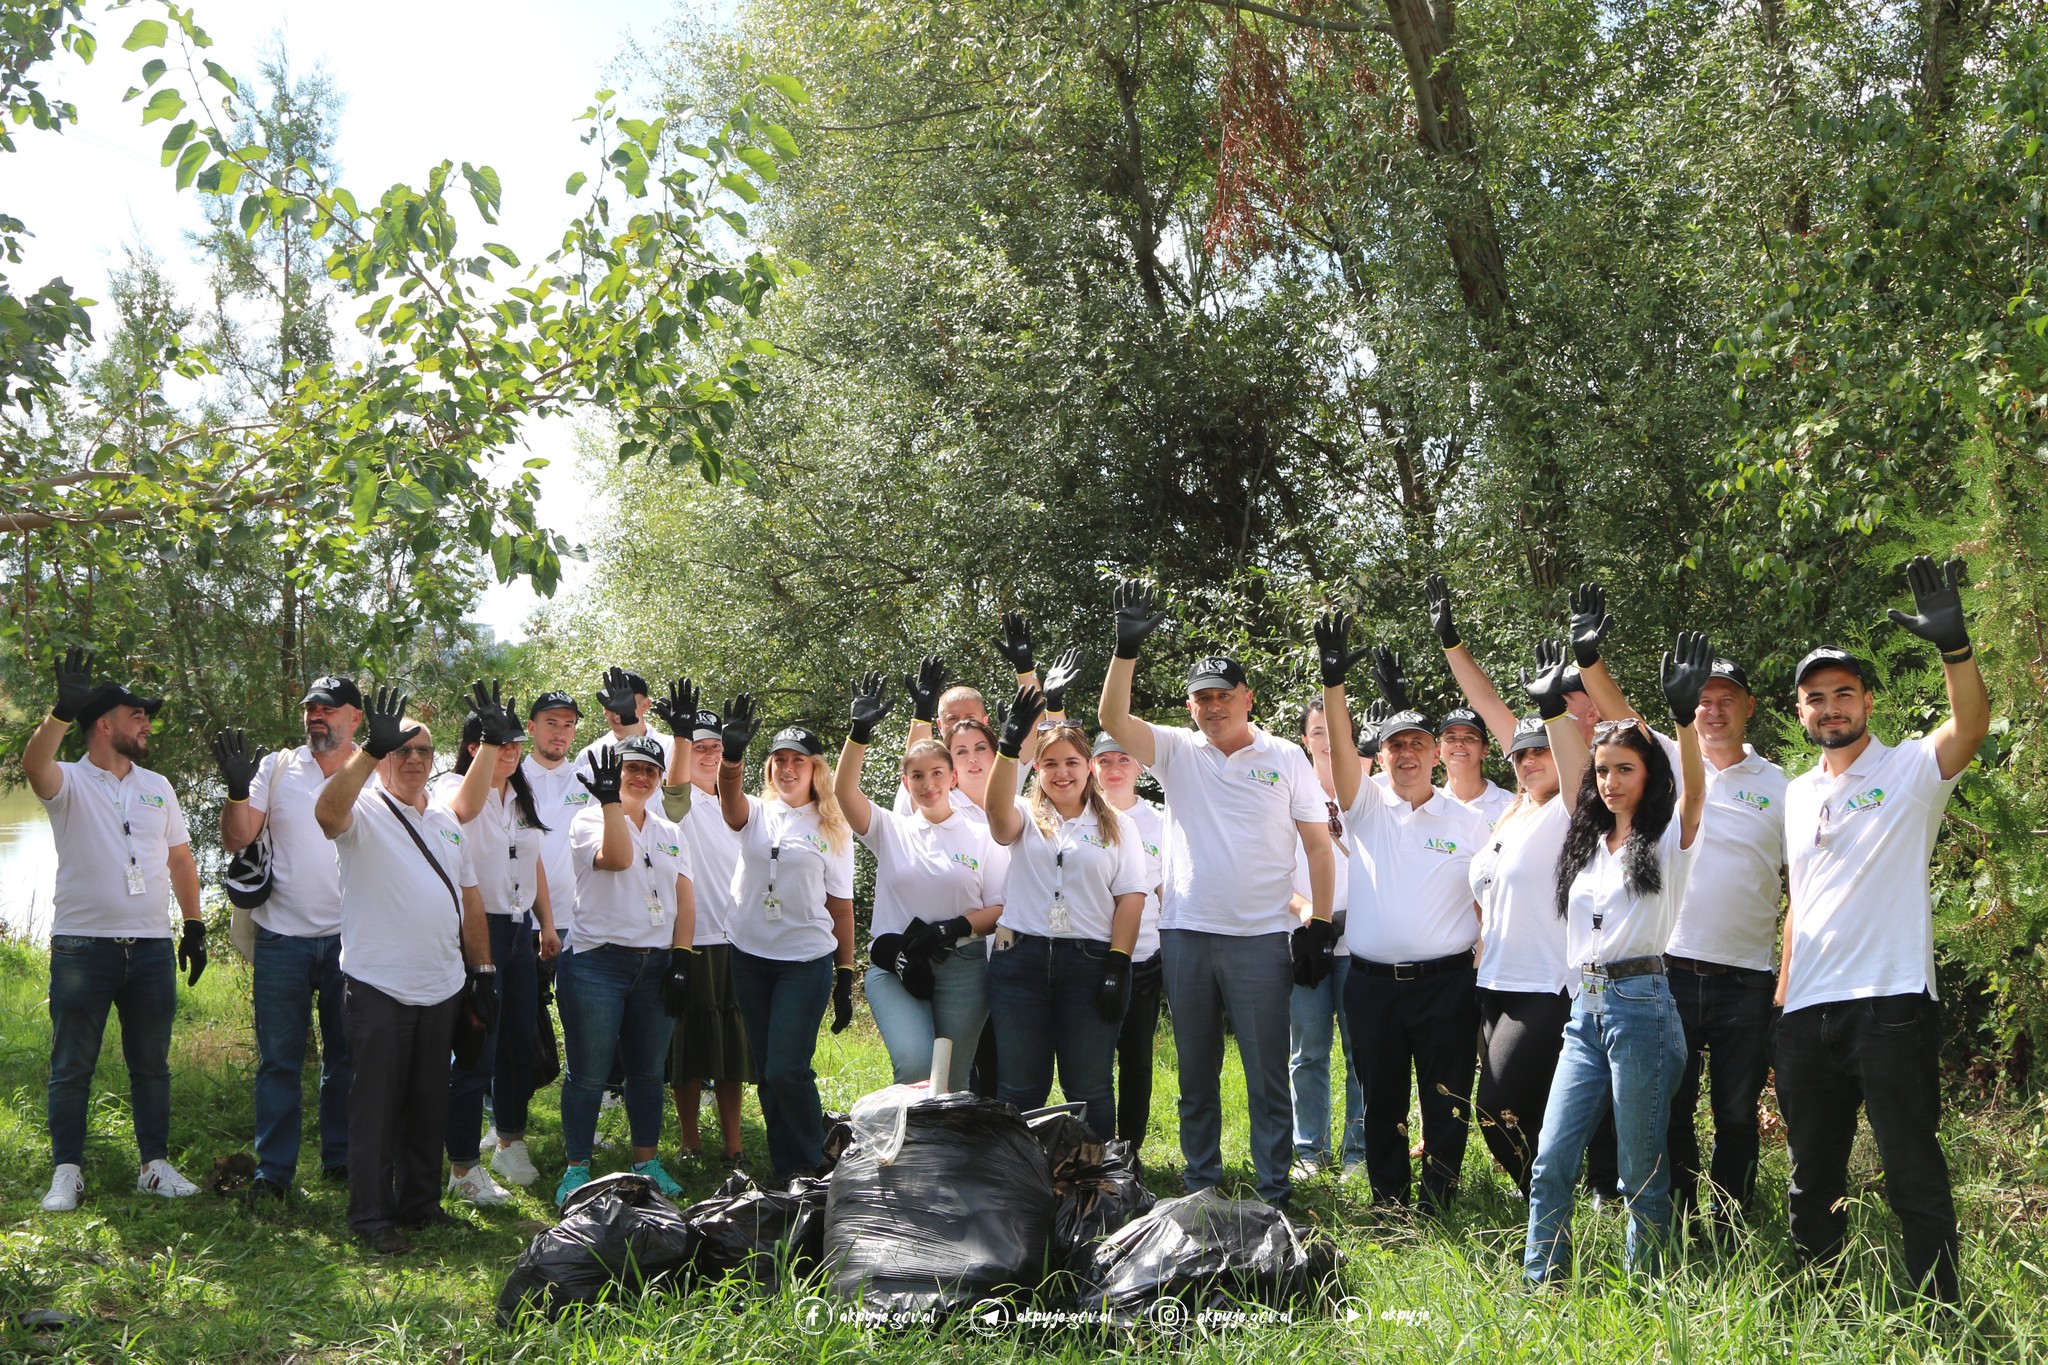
{"x":122,"y":852}
{"x":1857,"y":983}
{"x":1238,"y":802}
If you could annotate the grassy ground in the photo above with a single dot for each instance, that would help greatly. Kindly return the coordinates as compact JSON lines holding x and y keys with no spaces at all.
{"x":205,"y":1280}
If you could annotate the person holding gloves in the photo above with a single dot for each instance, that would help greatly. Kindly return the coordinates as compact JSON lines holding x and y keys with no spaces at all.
{"x":1117,"y":773}
{"x":1059,"y":977}
{"x":792,"y":926}
{"x":626,"y":976}
{"x":939,"y":881}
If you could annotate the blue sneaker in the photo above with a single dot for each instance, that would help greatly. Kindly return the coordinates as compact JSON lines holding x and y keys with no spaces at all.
{"x":663,"y":1181}
{"x":573,"y":1179}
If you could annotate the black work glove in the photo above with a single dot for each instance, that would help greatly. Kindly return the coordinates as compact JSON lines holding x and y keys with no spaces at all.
{"x":74,"y":684}
{"x":1589,"y":622}
{"x":1369,"y":729}
{"x":924,"y":688}
{"x":935,"y":941}
{"x":1024,"y":713}
{"x":607,"y":775}
{"x":870,"y":705}
{"x":1547,"y":688}
{"x":499,"y":718}
{"x":238,"y":768}
{"x":1388,"y":677}
{"x":1937,"y":604}
{"x":1016,"y":643}
{"x":1436,"y":595}
{"x":1063,"y":674}
{"x":1113,"y":992}
{"x":1684,"y":675}
{"x":675,"y":987}
{"x":897,"y":955}
{"x":1333,"y":632}
{"x":483,"y":998}
{"x":738,"y":731}
{"x":192,"y":950}
{"x":678,"y":710}
{"x":1135,"y":616}
{"x":618,"y":697}
{"x":842,"y":998}
{"x":387,"y":727}
{"x":1315,"y":952}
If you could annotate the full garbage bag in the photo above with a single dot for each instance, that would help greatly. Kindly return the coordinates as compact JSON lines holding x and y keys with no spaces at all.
{"x":617,"y":1238}
{"x":1205,"y":1250}
{"x":1095,"y":1182}
{"x":742,"y":1228}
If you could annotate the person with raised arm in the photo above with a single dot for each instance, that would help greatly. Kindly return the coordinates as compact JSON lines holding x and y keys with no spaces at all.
{"x":1238,"y":800}
{"x":1474,"y":682}
{"x":1862,"y":1026}
{"x":1117,"y":773}
{"x":624,"y":701}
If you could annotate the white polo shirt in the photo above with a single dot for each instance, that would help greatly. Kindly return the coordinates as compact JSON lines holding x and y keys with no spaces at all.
{"x":94,"y":851}
{"x":1491,"y":803}
{"x":1862,"y":919}
{"x":634,"y":907}
{"x":1150,"y":823}
{"x":305,"y":878}
{"x":1514,"y":880}
{"x":1730,"y":911}
{"x":1340,"y":884}
{"x":1228,"y":865}
{"x":400,"y":929}
{"x":932,"y":872}
{"x":1077,"y":866}
{"x":1417,"y":861}
{"x":559,"y":798}
{"x":508,"y":854}
{"x":785,"y":858}
{"x":960,"y":801}
{"x":714,"y":857}
{"x":1631,"y":925}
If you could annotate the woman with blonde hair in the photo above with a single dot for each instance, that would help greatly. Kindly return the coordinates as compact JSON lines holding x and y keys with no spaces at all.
{"x":792,"y":925}
{"x":1059,"y":977}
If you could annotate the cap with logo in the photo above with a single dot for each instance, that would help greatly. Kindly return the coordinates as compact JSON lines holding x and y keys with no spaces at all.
{"x":1403,"y":721}
{"x":109,"y":695}
{"x":1530,"y":733}
{"x":1733,"y":672}
{"x":707,"y":725}
{"x":640,"y":749}
{"x":799,"y":738}
{"x":333,"y":690}
{"x":1465,"y":716}
{"x":1105,"y":743}
{"x":553,"y":701}
{"x":1828,"y":656}
{"x":1215,"y":670}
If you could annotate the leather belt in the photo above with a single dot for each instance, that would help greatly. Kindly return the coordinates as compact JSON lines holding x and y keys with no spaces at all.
{"x":1413,"y":971}
{"x":1697,"y":967}
{"x":1626,"y":967}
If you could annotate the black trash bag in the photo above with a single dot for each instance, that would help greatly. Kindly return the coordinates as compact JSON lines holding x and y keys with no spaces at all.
{"x":742,"y":1229}
{"x":964,"y":1211}
{"x":838,"y":1137}
{"x":617,"y":1238}
{"x":1096,"y":1199}
{"x":1205,"y":1250}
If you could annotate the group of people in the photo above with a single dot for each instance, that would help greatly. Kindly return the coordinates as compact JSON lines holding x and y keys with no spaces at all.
{"x":1563,"y":962}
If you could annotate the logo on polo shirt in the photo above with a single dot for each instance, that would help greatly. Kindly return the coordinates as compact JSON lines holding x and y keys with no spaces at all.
{"x":576,"y":799}
{"x":1869,"y":800}
{"x":814,"y":842}
{"x":451,"y":836}
{"x":968,"y":861}
{"x":1757,"y":799}
{"x":1440,"y":845}
{"x":150,"y":799}
{"x":1269,"y":776}
{"x":672,"y":850}
{"x":1151,"y":850}
{"x":1093,"y":841}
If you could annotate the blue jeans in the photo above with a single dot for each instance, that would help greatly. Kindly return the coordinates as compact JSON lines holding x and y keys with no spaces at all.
{"x":1041,"y":995}
{"x":783,"y":1003}
{"x":1629,"y":1057}
{"x":292,"y":977}
{"x":957,"y":1010}
{"x":1310,"y":1011}
{"x":505,"y":1066}
{"x":610,"y":999}
{"x":1252,"y":978}
{"x":88,"y":976}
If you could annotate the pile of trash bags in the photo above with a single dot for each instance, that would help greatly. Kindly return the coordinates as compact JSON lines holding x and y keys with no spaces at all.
{"x":929,"y":1207}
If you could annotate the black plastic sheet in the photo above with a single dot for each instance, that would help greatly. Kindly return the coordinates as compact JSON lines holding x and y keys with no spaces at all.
{"x":748,"y":1231}
{"x":617,"y":1238}
{"x":1207,"y":1251}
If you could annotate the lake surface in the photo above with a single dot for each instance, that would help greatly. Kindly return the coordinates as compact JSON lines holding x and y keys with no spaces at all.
{"x":28,"y":865}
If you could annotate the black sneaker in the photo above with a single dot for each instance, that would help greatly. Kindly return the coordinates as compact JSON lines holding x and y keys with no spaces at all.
{"x":385,"y":1241}
{"x":263,"y":1189}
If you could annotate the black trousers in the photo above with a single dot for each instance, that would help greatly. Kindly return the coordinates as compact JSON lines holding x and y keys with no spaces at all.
{"x":1882,"y":1054}
{"x":397,"y":1107}
{"x":1521,"y":1033}
{"x":1727,"y":1020}
{"x":1134,"y":1052}
{"x":1429,"y":1026}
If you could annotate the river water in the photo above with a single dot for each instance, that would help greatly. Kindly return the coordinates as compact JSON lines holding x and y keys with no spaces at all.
{"x":28,"y":865}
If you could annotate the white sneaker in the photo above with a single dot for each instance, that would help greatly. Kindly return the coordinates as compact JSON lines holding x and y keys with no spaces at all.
{"x":160,"y":1177}
{"x":66,"y":1185}
{"x":512,"y":1162}
{"x":475,"y":1186}
{"x":1304,"y":1168}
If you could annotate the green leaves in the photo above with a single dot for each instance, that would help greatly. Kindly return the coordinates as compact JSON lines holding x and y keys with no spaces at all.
{"x":148,"y":33}
{"x":164,"y":104}
{"x":789,"y":87}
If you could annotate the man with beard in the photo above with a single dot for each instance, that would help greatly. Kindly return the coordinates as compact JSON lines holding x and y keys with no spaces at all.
{"x":122,"y":852}
{"x":551,"y":725}
{"x":297,"y":962}
{"x":1856,"y":979}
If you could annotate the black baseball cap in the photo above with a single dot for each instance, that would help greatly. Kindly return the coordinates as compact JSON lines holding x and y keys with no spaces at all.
{"x":637,"y":683}
{"x":640,"y":749}
{"x":109,"y":695}
{"x":1466,"y":716}
{"x":1215,"y":670}
{"x":707,"y":724}
{"x":1733,"y":672}
{"x":333,"y":690}
{"x":800,"y":738}
{"x":1403,"y":721}
{"x":1530,"y":733}
{"x":1828,"y":656}
{"x":552,"y":701}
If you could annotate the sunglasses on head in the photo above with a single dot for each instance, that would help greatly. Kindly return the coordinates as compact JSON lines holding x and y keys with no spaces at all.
{"x":1615,"y":727}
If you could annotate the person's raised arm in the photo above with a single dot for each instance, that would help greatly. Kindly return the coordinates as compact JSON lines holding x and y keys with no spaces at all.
{"x":1015,"y":646}
{"x":335,"y":807}
{"x":1684,"y":675}
{"x":924,"y":688}
{"x":1064,"y":673}
{"x":500,"y":727}
{"x":1472,"y":680}
{"x":737,"y":734}
{"x":1005,"y":821}
{"x":240,"y":822}
{"x":616,"y":847}
{"x":1589,"y":626}
{"x":74,"y":690}
{"x":1334,"y":659}
{"x":1567,"y":745}
{"x":1938,"y":619}
{"x":1135,"y":619}
{"x":870,"y":705}
{"x":678,"y":711}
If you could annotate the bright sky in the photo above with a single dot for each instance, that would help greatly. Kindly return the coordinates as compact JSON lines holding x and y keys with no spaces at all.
{"x":495,"y":83}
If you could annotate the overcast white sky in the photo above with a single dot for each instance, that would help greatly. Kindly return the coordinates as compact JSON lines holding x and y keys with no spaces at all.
{"x":494,"y":82}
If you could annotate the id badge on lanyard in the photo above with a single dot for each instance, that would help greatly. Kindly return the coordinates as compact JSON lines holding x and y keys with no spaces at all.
{"x":1593,"y":990}
{"x":654,"y":910}
{"x":134,"y":873}
{"x":1062,"y":920}
{"x":771,"y":904}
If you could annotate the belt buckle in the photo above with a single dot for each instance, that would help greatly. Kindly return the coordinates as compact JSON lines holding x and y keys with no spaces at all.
{"x":130,"y":941}
{"x":1407,"y":971}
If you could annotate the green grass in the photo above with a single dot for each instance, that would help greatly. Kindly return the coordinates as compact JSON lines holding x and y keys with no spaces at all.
{"x":205,"y":1280}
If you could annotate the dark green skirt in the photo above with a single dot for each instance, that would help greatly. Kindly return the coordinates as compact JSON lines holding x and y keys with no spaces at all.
{"x":710,"y":1042}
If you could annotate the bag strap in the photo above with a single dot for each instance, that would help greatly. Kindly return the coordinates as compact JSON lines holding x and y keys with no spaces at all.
{"x":428,"y":854}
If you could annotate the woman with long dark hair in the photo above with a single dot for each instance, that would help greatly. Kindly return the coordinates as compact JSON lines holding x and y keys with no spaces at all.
{"x":1627,"y":853}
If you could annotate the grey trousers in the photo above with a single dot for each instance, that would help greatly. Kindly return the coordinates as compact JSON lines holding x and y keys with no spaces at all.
{"x":1252,"y":978}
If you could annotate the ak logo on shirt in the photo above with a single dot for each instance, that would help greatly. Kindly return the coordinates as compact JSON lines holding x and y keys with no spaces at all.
{"x":672,"y":850}
{"x":451,"y":836}
{"x":1265,"y":776}
{"x":576,"y":799}
{"x":1151,"y":850}
{"x":1866,"y":800}
{"x":1440,"y":845}
{"x":815,"y":843}
{"x":150,"y":799}
{"x":1093,"y":841}
{"x":1756,"y":799}
{"x":968,"y":861}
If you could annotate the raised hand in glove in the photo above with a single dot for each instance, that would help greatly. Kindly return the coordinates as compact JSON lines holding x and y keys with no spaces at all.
{"x":1113,"y":992}
{"x":1333,"y":633}
{"x":1065,"y":671}
{"x":1589,"y":622}
{"x":1547,"y":687}
{"x":1369,"y":729}
{"x":618,"y":697}
{"x":74,"y":684}
{"x":842,"y":998}
{"x":1937,"y":605}
{"x":675,"y":987}
{"x":1016,"y":643}
{"x":385,"y":719}
{"x":500,"y":723}
{"x":925,"y":687}
{"x":1136,"y":616}
{"x":1436,"y":595}
{"x":871,"y":705}
{"x":678,"y":710}
{"x":1684,"y":674}
{"x":238,"y":767}
{"x":1389,"y":678}
{"x":1024,"y":713}
{"x":192,"y":950}
{"x":740,"y":724}
{"x":606,"y":777}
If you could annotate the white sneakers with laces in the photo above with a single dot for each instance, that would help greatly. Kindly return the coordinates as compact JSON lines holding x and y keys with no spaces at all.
{"x":513,"y":1163}
{"x":160,"y":1177}
{"x":67,"y":1184}
{"x":475,"y":1186}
